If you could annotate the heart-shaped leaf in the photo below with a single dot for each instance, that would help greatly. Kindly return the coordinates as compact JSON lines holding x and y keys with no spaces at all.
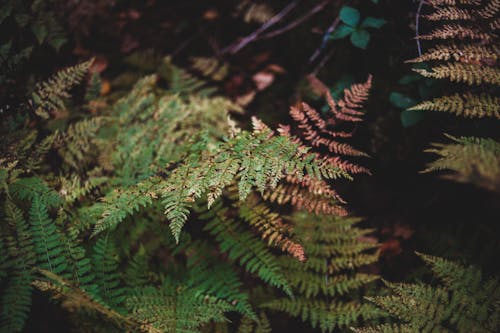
{"x":360,"y":38}
{"x":342,"y":31}
{"x":349,"y":16}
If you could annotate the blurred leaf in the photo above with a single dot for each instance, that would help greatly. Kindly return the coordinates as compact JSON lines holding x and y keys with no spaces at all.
{"x":411,"y":117}
{"x":407,"y":79}
{"x":56,"y":43}
{"x":373,"y":22}
{"x":349,"y":15}
{"x":40,"y":32}
{"x":401,"y":101}
{"x":360,"y":38}
{"x":342,"y":31}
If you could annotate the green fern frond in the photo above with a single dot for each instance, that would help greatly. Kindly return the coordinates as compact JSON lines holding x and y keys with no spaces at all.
{"x":76,"y":300}
{"x":470,"y":159}
{"x":249,"y":325}
{"x":244,"y":247}
{"x":173,"y":308}
{"x":258,"y":161}
{"x":34,"y":187}
{"x":48,"y":96}
{"x":216,"y":279}
{"x":48,"y":243}
{"x":20,"y":259}
{"x":334,"y":253}
{"x":464,"y":302}
{"x":107,"y":278}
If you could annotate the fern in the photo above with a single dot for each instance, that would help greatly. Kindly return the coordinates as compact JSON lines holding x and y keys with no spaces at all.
{"x":48,"y":96}
{"x":469,"y":56}
{"x":19,"y":259}
{"x":107,"y":278}
{"x":247,"y":325}
{"x":256,"y":160}
{"x":321,"y":136}
{"x":464,"y":301}
{"x":335,"y":252}
{"x":243,"y":247}
{"x":475,"y":160}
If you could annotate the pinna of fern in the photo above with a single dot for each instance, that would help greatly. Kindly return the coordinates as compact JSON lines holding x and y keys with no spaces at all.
{"x":464,"y":301}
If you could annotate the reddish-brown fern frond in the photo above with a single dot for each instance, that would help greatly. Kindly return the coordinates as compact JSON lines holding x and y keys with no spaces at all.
{"x":321,"y":134}
{"x":297,"y":196}
{"x":271,"y":228}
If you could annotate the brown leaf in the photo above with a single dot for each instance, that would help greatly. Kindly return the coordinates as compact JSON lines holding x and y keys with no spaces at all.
{"x":263,"y":80}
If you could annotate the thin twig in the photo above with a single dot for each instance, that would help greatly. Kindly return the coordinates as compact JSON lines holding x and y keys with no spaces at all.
{"x":297,"y":22}
{"x":183,"y":45}
{"x":326,"y":35}
{"x":238,"y":45}
{"x":417,"y":26}
{"x":322,"y":62}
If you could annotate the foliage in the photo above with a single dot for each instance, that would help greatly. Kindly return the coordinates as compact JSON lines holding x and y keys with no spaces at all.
{"x":470,"y":159}
{"x":465,"y":51}
{"x":356,"y":29}
{"x":464,"y":301}
{"x":324,"y":287}
{"x":117,"y":165}
{"x":32,"y":21}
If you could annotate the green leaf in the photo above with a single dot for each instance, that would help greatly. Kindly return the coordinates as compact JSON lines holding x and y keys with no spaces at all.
{"x":360,"y":38}
{"x":373,"y":22}
{"x":342,"y":31}
{"x":40,"y":32}
{"x":407,"y":79}
{"x":411,"y":117}
{"x":401,"y":101}
{"x":349,"y":15}
{"x":56,"y":43}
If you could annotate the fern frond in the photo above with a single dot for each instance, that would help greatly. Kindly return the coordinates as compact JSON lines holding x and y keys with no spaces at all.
{"x":48,"y":96}
{"x":475,"y":160}
{"x":465,"y":53}
{"x":335,"y":252}
{"x":244,"y":247}
{"x":451,"y":13}
{"x":213,"y":278}
{"x":271,"y":228}
{"x":20,"y":258}
{"x":74,"y":299}
{"x":458,"y":31}
{"x":248,"y":325}
{"x":465,"y":302}
{"x":467,"y":105}
{"x":76,"y":143}
{"x":210,"y":68}
{"x":107,"y":278}
{"x":173,"y":308}
{"x":48,"y":243}
{"x":468,"y":73}
{"x":254,"y":159}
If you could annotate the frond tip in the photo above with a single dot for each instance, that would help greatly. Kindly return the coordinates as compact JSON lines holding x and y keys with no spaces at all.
{"x":470,"y":159}
{"x":465,"y":301}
